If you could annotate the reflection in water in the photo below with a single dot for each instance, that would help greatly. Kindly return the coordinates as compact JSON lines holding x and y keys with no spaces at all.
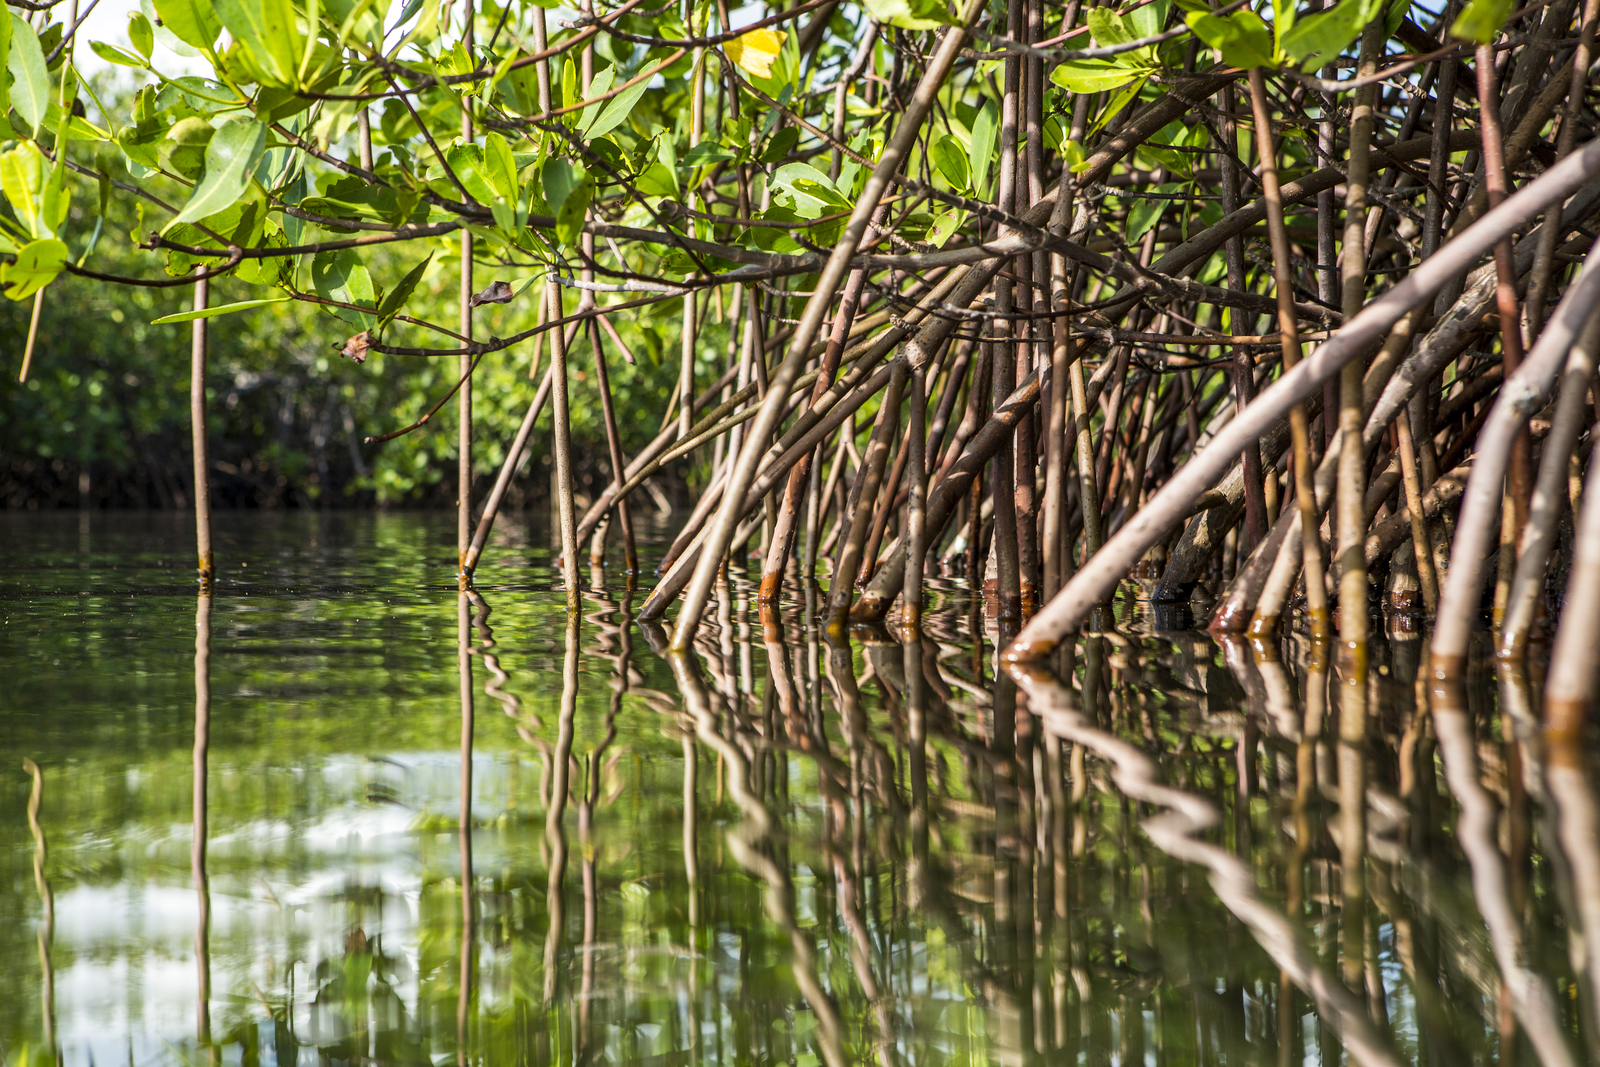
{"x":468,"y":944}
{"x":197,"y":848}
{"x":787,"y":845}
{"x":47,"y":905}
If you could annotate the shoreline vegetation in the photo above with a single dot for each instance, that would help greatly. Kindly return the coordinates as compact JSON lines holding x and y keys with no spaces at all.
{"x":1298,"y":308}
{"x":982,"y":287}
{"x":1059,"y":295}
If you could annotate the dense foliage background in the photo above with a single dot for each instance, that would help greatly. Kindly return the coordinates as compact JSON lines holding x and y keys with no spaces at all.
{"x":108,"y":397}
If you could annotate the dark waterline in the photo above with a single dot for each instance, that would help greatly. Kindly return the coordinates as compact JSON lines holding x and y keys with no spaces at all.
{"x":791,"y":849}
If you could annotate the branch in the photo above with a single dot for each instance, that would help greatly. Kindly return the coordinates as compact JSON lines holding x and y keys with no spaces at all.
{"x":235,"y":254}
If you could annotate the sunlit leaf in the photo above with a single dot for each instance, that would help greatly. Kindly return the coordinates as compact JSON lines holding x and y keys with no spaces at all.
{"x":617,"y":109}
{"x":220,"y":309}
{"x":1091,"y":76}
{"x":500,"y":167}
{"x":1109,"y":29}
{"x":267,"y":31}
{"x":756,"y":51}
{"x":1241,"y":40}
{"x":38,"y":263}
{"x":980,"y":153}
{"x":140,"y":33}
{"x":1480,"y":20}
{"x":22,"y":176}
{"x":807,"y":190}
{"x":231,"y":158}
{"x":944,"y":226}
{"x":950,"y":159}
{"x":1119,"y":100}
{"x":30,"y":84}
{"x":467,"y":163}
{"x":340,"y":275}
{"x":166,"y":37}
{"x":911,"y":14}
{"x":113,"y":54}
{"x":599,"y":85}
{"x":1317,"y":39}
{"x":5,"y":59}
{"x":1072,"y":155}
{"x":1147,"y":21}
{"x":194,"y":22}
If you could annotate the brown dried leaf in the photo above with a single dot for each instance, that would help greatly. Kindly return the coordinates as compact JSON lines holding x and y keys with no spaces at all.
{"x":496,"y":293}
{"x":356,"y":347}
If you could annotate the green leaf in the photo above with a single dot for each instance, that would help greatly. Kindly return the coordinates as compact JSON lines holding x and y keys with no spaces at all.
{"x":950,"y":159}
{"x":231,"y":158}
{"x":599,"y":85}
{"x":113,"y":54}
{"x":241,"y":224}
{"x":560,"y":179}
{"x":38,"y":263}
{"x":656,"y":180}
{"x":980,"y":153}
{"x":1283,"y":19}
{"x":341,"y":276}
{"x":1145,"y":214}
{"x":1118,"y":101}
{"x":1250,"y":43}
{"x":22,"y":176}
{"x":1241,"y":40}
{"x":500,"y":166}
{"x":5,"y":57}
{"x":79,"y":128}
{"x":275,"y":271}
{"x":1091,"y":75}
{"x":807,"y":190}
{"x":220,"y":309}
{"x":617,"y":109}
{"x":911,"y":14}
{"x":1317,"y":39}
{"x":49,"y":38}
{"x":467,"y":161}
{"x":569,"y":220}
{"x":184,"y":150}
{"x":140,"y":33}
{"x":945,"y":225}
{"x":704,"y":153}
{"x":164,"y":36}
{"x":1480,"y":20}
{"x":1149,"y":20}
{"x":1072,"y":154}
{"x":194,"y":22}
{"x":267,"y":32}
{"x":397,"y":297}
{"x":781,"y":145}
{"x":1396,"y":15}
{"x":569,"y":88}
{"x":1108,"y":29}
{"x":30,"y":86}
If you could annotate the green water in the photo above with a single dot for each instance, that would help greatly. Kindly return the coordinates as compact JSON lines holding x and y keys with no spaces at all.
{"x":788,"y":850}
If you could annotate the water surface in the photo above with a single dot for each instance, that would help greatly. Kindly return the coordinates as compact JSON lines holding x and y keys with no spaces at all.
{"x":790,"y":848}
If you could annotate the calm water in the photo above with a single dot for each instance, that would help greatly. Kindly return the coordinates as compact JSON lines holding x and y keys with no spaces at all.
{"x":565,"y":848}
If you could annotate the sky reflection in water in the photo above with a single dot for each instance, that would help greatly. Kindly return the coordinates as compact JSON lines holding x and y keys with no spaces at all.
{"x":788,"y":850}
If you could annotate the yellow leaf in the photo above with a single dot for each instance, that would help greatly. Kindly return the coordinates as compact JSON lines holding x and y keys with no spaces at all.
{"x":36,"y":266}
{"x":756,"y":50}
